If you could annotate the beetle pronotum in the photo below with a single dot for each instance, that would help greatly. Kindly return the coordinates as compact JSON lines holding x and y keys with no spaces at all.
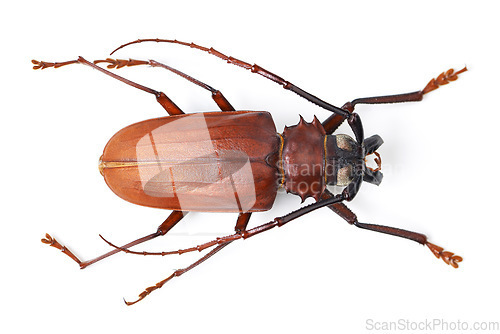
{"x":235,"y":161}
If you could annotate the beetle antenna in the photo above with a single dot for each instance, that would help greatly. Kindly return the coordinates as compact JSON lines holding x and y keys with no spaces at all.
{"x":253,"y":68}
{"x":147,"y":291}
{"x":177,"y":273}
{"x":180,"y":251}
{"x":43,"y":64}
{"x":114,"y":246}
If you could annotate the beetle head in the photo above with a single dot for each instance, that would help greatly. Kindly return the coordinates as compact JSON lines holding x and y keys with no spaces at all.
{"x":346,"y":160}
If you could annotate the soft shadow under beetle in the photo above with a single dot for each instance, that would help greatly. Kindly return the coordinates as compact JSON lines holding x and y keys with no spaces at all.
{"x":235,"y":161}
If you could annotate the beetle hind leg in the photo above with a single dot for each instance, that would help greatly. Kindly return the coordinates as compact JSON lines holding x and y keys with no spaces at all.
{"x":170,"y":222}
{"x":49,"y":240}
{"x":162,"y":99}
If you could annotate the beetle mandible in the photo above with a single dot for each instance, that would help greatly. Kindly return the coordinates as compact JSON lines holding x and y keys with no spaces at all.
{"x":235,"y":161}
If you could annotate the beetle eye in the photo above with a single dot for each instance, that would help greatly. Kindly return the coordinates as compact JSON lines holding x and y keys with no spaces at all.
{"x":346,"y":143}
{"x":344,"y":176}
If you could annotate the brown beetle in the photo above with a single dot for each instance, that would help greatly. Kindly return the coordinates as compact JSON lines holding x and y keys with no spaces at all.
{"x":235,"y":161}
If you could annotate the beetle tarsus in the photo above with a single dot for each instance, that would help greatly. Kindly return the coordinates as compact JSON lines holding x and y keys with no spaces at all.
{"x":442,"y":79}
{"x":119,"y":63}
{"x":43,"y":64}
{"x":448,"y":257}
{"x":48,"y":240}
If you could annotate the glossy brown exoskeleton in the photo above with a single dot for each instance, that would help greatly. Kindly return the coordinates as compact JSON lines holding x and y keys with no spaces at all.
{"x":235,"y":161}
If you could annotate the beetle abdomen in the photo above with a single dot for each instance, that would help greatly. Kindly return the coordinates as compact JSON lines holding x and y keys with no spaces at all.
{"x":195,"y":162}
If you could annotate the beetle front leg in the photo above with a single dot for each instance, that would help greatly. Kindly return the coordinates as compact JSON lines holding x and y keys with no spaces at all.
{"x":162,"y":99}
{"x":334,"y":121}
{"x":448,"y":257}
{"x":343,"y":211}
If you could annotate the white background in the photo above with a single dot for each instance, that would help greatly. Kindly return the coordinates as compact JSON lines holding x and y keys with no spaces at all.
{"x":315,"y":275}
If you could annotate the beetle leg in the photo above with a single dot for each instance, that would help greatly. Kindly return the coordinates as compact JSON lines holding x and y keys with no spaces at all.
{"x":343,"y":211}
{"x":241,"y":224}
{"x":217,"y":96}
{"x":334,"y":121}
{"x":448,"y":257}
{"x":278,"y":221}
{"x":48,"y":240}
{"x":254,"y":69}
{"x":170,"y":222}
{"x":162,"y":99}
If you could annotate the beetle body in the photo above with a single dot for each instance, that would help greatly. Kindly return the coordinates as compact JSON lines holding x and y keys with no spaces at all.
{"x":235,"y":161}
{"x":225,"y":162}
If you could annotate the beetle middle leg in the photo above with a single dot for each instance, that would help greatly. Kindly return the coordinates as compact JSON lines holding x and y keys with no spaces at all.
{"x":162,"y":99}
{"x":254,"y":69}
{"x":343,"y":211}
{"x":170,"y":222}
{"x":334,"y":121}
{"x":241,"y":231}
